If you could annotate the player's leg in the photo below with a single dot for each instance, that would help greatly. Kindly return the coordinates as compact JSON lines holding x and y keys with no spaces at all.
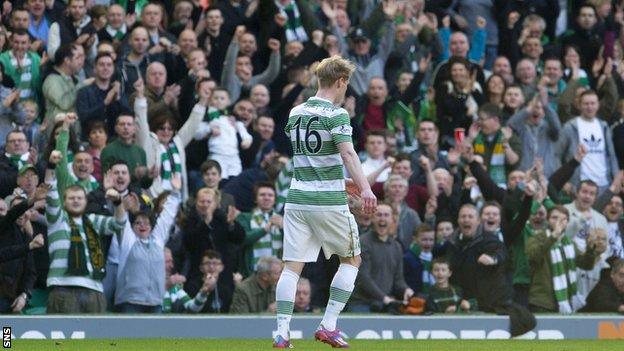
{"x":300,"y":246}
{"x":341,"y":239}
{"x":285,"y":293}
{"x":340,"y":290}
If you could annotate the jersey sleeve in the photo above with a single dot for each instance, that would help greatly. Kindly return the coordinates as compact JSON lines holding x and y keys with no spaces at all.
{"x":340,"y":127}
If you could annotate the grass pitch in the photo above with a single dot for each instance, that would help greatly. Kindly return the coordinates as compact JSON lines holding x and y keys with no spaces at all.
{"x":306,"y":344}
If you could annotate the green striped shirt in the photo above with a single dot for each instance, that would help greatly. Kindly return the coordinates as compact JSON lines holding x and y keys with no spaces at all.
{"x":177,"y":293}
{"x":315,"y":128}
{"x":59,"y":234}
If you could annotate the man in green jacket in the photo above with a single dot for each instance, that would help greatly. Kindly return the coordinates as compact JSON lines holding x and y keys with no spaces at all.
{"x":124,"y":148}
{"x":553,"y":258}
{"x":23,"y":66}
{"x":256,"y":294}
{"x":264,"y":233}
{"x":61,"y":86}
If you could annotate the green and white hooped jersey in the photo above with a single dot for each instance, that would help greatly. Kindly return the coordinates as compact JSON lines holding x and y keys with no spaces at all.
{"x":315,"y":128}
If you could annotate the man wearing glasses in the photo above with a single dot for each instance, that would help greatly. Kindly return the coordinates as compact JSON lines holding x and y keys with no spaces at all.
{"x":16,"y":155}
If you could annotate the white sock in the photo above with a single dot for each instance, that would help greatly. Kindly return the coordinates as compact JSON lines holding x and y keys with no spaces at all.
{"x":339,"y":292}
{"x":285,"y":292}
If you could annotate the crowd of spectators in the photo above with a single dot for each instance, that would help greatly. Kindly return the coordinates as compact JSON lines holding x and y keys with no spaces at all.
{"x":144,"y":140}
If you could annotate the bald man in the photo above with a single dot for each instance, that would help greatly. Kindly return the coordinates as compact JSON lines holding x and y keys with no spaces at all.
{"x":459,"y":46}
{"x":161,"y":98}
{"x":178,"y":58}
{"x":135,"y":59}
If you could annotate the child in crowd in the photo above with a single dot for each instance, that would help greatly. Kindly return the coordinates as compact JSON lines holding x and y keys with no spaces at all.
{"x":444,"y":230}
{"x":444,"y":297}
{"x":223,"y":130}
{"x":417,"y":260}
{"x":31,"y":127}
{"x":211,"y":177}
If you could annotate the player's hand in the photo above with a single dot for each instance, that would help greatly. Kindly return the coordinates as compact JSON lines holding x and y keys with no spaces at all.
{"x":369,"y":201}
{"x":451,"y":309}
{"x":465,"y":305}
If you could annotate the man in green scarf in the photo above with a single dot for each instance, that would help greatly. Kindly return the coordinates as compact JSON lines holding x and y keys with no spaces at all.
{"x":500,"y":148}
{"x":553,"y":258}
{"x":77,"y":258}
{"x":263,"y":227}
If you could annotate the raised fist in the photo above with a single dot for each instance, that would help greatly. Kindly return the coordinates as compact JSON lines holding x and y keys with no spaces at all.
{"x":55,"y":157}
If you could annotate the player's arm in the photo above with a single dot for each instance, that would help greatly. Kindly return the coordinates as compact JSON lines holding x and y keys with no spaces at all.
{"x":353,"y":165}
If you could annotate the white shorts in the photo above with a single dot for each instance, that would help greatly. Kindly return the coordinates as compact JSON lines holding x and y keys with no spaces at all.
{"x":306,"y":232}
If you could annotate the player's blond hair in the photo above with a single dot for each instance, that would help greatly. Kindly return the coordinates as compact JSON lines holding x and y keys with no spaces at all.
{"x":333,"y":69}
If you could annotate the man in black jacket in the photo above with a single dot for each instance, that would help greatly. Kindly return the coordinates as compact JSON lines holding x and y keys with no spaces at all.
{"x":76,"y":28}
{"x":608,"y":295}
{"x":585,"y":36}
{"x":207,"y":227}
{"x":15,"y":156}
{"x":102,"y":100}
{"x":17,"y":275}
{"x":219,"y":294}
{"x":477,"y":261}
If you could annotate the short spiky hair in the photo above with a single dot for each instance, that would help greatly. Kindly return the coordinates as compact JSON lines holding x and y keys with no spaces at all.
{"x":332,"y":69}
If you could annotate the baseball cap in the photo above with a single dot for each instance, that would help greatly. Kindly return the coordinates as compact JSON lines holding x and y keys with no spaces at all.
{"x":25,"y":168}
{"x":358,"y":34}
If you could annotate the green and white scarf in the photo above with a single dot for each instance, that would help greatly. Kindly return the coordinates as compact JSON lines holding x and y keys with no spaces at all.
{"x":425,"y":259}
{"x":117,"y":34}
{"x":282,"y":185}
{"x":76,"y":257}
{"x":88,"y":184}
{"x":563,"y":269}
{"x":175,"y":293}
{"x":213,"y":113}
{"x":18,"y":161}
{"x":294,"y":27}
{"x":496,"y":167}
{"x":169,"y":163}
{"x":271,"y":243}
{"x":23,"y":69}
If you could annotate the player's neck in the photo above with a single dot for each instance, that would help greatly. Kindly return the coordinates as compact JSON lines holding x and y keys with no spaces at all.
{"x":327,"y":94}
